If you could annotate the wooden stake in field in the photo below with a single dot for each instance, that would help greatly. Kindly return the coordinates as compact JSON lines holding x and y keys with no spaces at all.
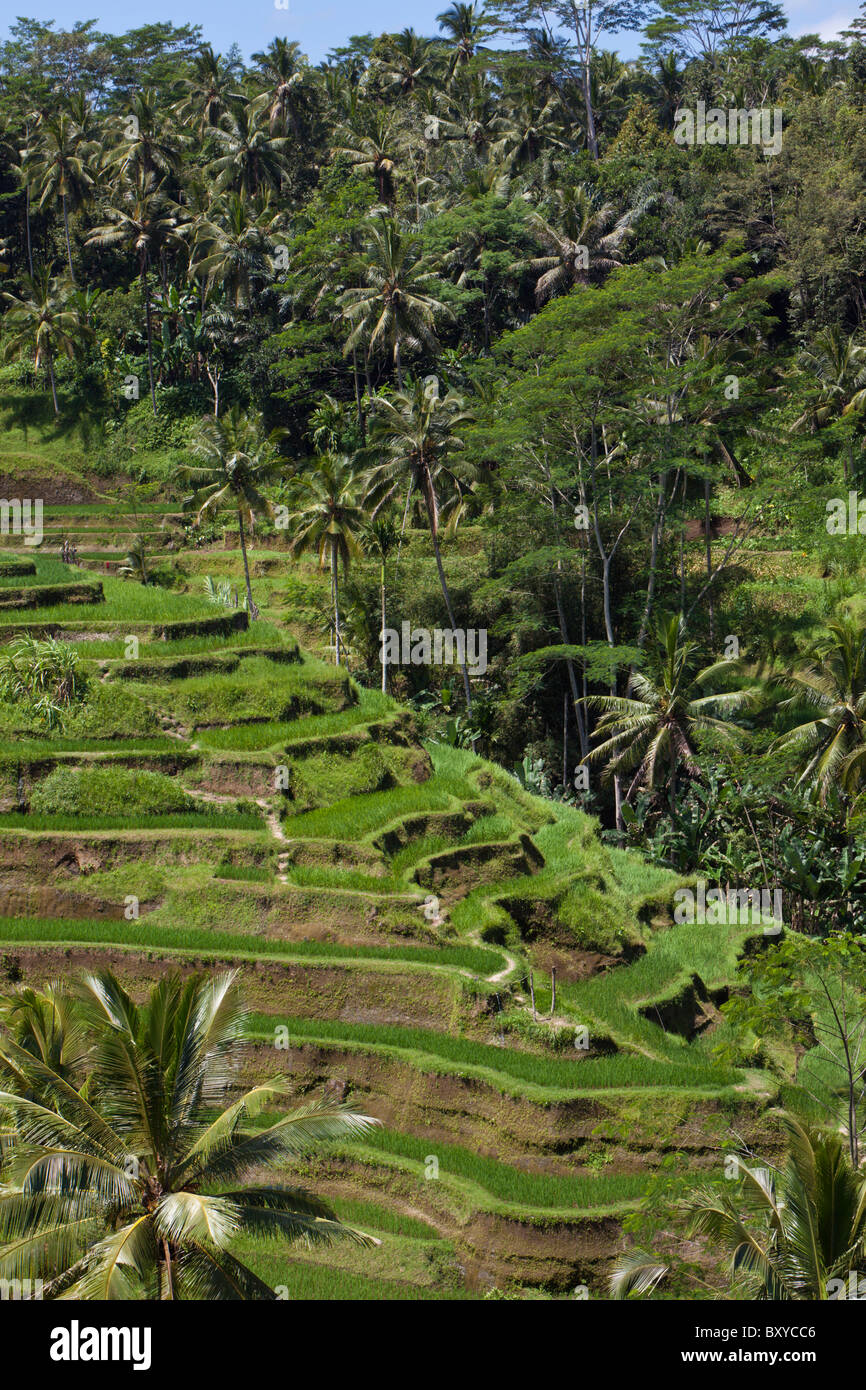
{"x":552,"y":990}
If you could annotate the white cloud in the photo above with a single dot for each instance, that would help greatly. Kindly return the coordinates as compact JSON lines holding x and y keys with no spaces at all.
{"x":802,"y":18}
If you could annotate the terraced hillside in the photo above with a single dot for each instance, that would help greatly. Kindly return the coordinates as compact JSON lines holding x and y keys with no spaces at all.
{"x":397,"y":912}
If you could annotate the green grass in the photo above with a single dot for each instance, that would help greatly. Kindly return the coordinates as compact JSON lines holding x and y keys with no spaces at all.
{"x":193,"y":820}
{"x":258,"y":634}
{"x":37,"y":929}
{"x":252,"y":738}
{"x":321,"y":1283}
{"x":260,"y":690}
{"x":117,"y":791}
{"x":536,"y":1069}
{"x":511,"y":1185}
{"x":33,"y":748}
{"x":244,"y":873}
{"x":381,"y":1220}
{"x":349,"y":880}
{"x":124,"y":601}
{"x":357,"y":817}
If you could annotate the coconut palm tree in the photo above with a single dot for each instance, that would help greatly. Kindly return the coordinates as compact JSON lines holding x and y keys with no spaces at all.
{"x":380,"y":539}
{"x":417,"y":431}
{"x":405,"y":62}
{"x":47,"y":1024}
{"x":231,"y":248}
{"x":833,"y":685}
{"x":208,"y":91}
{"x":235,"y":459}
{"x":61,"y":168}
{"x":583,"y":239}
{"x":838,"y":362}
{"x":529,"y":131}
{"x":465,"y":27}
{"x":330,"y":518}
{"x":145,"y":222}
{"x":787,"y":1233}
{"x":147,"y":144}
{"x":653,"y":731}
{"x":393,"y":310}
{"x":137,"y":1188}
{"x":283,"y":67}
{"x":665,"y":86}
{"x":369,"y":139}
{"x":252,"y":158}
{"x":44,"y":320}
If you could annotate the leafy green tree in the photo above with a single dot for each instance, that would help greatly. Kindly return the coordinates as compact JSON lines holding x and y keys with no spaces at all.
{"x":143,"y":221}
{"x":811,"y":991}
{"x":137,"y":1189}
{"x":235,"y":460}
{"x":44,"y":320}
{"x":207,"y":91}
{"x":252,"y":158}
{"x":330,"y":518}
{"x":417,"y":432}
{"x":394,"y":309}
{"x":787,"y":1234}
{"x":833,"y":686}
{"x":711,"y":29}
{"x":653,"y":731}
{"x":61,"y":169}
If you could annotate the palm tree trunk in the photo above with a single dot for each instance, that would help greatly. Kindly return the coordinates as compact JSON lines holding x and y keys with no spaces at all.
{"x":384,"y":658}
{"x":27,"y":220}
{"x":68,"y":245}
{"x":709,"y":550}
{"x":397,"y":365}
{"x":357,"y":380}
{"x":251,"y":607}
{"x":447,"y":597}
{"x":50,"y":361}
{"x":146,"y":288}
{"x":335,"y":580}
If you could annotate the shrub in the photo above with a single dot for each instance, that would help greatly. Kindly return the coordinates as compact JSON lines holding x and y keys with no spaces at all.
{"x":43,"y":674}
{"x":108,"y":791}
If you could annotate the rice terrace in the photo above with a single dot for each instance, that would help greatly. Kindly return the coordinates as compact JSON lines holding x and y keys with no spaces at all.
{"x":433,"y":660}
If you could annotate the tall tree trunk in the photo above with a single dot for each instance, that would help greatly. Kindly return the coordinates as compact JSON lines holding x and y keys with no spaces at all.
{"x":49,"y":357}
{"x":447,"y":597}
{"x":709,"y":552}
{"x":361,"y":421}
{"x":27,"y":219}
{"x":68,"y":243}
{"x":398,"y":368}
{"x":384,"y":658}
{"x":566,"y":640}
{"x":167,"y":1250}
{"x":583,"y":35}
{"x":146,"y":288}
{"x":251,"y":607}
{"x":658,"y":528}
{"x":335,"y":580}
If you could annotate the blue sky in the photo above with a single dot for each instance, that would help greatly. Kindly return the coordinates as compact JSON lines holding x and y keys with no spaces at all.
{"x":318,"y":27}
